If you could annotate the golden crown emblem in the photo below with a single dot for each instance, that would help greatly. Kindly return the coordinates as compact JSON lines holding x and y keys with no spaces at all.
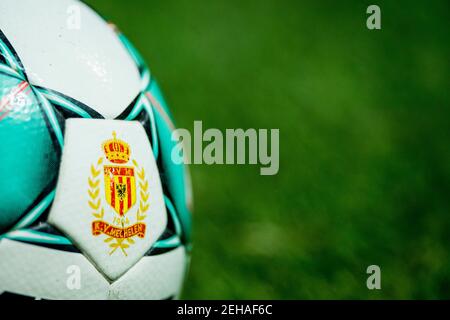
{"x":116,"y":150}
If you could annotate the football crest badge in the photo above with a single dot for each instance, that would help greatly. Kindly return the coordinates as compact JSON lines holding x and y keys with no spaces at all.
{"x":118,"y":216}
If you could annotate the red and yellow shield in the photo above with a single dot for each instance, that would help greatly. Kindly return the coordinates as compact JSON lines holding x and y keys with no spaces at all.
{"x":120,"y":188}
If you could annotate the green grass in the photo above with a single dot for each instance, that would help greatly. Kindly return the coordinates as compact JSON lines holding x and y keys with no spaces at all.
{"x":364,"y":141}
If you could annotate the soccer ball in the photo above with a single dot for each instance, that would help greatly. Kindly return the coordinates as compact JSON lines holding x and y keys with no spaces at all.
{"x":91,"y":205}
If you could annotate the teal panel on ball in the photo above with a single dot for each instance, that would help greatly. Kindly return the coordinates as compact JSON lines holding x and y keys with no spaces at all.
{"x":175,"y":173}
{"x":29,"y":162}
{"x":156,"y":92}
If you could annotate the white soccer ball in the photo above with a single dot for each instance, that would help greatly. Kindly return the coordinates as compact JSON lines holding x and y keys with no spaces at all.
{"x":91,"y":206}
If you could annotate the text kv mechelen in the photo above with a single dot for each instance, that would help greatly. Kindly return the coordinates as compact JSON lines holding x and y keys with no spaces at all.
{"x":234,"y":146}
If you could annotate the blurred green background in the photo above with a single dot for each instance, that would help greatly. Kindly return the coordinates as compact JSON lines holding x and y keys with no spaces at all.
{"x":364,"y":125}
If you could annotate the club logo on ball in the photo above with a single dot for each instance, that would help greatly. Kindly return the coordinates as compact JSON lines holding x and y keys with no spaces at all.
{"x":120,"y":222}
